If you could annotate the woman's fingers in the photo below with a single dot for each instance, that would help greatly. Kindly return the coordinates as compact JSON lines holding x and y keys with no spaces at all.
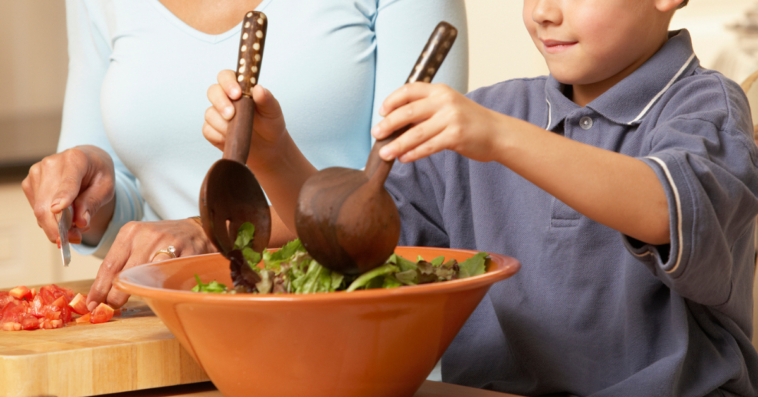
{"x":136,"y":244}
{"x":227,"y":80}
{"x":221,"y":101}
{"x":112,"y":264}
{"x":216,"y":138}
{"x":44,"y":179}
{"x":216,"y":121}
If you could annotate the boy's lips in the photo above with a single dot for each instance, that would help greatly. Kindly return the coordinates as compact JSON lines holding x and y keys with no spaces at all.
{"x":556,"y":46}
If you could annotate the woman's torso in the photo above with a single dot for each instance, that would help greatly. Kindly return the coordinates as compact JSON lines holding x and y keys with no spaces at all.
{"x":320,"y":61}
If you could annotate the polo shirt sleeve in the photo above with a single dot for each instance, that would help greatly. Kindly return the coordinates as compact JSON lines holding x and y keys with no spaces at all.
{"x":89,"y":57}
{"x":418,"y":190}
{"x":703,"y":153}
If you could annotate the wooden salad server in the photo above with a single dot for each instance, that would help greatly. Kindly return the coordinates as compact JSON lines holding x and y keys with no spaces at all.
{"x":345,"y":218}
{"x":230,"y":195}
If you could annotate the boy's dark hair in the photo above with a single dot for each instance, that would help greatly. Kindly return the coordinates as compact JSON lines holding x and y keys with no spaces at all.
{"x":684,"y":3}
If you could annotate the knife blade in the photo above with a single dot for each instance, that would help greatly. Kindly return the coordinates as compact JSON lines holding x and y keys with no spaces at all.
{"x":64,"y":225}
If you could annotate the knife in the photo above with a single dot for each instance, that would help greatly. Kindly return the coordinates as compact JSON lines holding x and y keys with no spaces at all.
{"x":64,"y":225}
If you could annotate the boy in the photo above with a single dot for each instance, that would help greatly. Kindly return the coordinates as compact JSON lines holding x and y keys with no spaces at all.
{"x":625,"y":182}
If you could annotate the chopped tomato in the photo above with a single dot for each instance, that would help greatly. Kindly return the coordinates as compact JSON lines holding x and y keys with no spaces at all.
{"x":83,"y":319}
{"x":51,"y":324}
{"x":37,"y":308}
{"x":29,"y":322}
{"x":21,"y":292}
{"x":101,"y":314}
{"x":11,"y":327}
{"x":79,"y":304}
{"x":49,"y":307}
{"x":5,"y":297}
{"x":61,"y":305}
{"x":14,"y":311}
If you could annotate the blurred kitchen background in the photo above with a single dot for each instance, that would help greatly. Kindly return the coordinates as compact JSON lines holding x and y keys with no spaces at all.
{"x":33,"y":61}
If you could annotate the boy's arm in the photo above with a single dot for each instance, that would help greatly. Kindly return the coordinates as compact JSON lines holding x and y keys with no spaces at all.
{"x":613,"y":189}
{"x":616,"y":190}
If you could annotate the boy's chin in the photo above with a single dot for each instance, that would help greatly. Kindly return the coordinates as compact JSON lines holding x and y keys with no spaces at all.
{"x":570,"y":76}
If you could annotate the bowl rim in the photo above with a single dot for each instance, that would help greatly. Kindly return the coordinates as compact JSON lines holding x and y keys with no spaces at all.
{"x":508,"y":268}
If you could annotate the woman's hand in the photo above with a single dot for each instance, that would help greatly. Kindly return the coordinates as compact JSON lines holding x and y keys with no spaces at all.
{"x":268,"y":127}
{"x":442,"y":119}
{"x":82,"y":176}
{"x":137,"y":243}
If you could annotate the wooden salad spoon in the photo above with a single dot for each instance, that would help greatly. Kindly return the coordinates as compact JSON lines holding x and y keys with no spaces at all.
{"x":345,"y":218}
{"x":230,"y":195}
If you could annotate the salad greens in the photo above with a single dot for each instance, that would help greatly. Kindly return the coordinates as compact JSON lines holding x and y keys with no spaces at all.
{"x":292,"y":270}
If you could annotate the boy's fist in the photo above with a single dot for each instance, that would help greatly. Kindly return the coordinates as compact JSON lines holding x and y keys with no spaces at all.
{"x":442,"y":118}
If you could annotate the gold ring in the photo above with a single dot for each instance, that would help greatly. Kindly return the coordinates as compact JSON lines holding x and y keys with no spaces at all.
{"x":170,"y":251}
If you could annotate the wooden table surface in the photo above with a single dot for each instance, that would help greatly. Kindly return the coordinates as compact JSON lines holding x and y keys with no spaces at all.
{"x":206,"y":389}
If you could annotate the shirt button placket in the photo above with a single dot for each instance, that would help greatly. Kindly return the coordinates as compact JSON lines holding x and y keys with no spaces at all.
{"x":585,"y":122}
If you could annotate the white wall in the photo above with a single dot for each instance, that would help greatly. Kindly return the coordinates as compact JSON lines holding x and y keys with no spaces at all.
{"x":33,"y":57}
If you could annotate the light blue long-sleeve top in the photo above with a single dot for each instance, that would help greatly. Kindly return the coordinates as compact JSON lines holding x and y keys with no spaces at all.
{"x":138,"y":78}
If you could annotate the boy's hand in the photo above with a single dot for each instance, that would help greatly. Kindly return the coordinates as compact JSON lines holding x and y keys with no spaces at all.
{"x":268,"y":125}
{"x":442,"y":118}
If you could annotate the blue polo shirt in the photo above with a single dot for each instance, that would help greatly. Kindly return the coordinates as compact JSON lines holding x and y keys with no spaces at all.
{"x":593,"y":312}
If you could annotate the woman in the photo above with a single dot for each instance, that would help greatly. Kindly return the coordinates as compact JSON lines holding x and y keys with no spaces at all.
{"x":131,"y":153}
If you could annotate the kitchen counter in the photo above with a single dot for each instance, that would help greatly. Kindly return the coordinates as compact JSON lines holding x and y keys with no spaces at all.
{"x":206,"y":389}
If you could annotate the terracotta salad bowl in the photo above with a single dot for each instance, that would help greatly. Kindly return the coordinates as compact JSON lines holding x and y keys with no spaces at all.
{"x":378,"y":342}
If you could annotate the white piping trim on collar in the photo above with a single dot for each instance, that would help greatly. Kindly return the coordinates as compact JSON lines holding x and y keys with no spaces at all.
{"x":549,"y":114}
{"x":673,"y":80}
{"x":678,"y":211}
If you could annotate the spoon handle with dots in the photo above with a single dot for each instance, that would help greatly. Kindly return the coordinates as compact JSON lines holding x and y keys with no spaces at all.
{"x":248,"y":68}
{"x":427,"y":65}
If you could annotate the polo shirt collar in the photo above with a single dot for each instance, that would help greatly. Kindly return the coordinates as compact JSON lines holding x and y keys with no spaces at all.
{"x":629,"y":101}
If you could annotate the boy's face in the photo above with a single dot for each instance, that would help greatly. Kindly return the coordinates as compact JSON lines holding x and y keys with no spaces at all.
{"x":585,"y":42}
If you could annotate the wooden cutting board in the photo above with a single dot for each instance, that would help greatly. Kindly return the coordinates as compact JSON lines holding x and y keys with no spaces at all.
{"x":132,"y":352}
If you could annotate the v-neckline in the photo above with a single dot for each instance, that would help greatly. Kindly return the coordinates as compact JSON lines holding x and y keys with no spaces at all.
{"x":210,"y":38}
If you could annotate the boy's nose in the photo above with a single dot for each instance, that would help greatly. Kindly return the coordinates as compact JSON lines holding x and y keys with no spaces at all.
{"x":546,"y":12}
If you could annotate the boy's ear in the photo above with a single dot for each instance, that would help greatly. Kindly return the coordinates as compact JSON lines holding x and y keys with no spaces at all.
{"x":667,"y":5}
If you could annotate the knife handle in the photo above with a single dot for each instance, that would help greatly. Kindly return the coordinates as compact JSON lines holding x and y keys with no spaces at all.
{"x":427,"y":65}
{"x":252,"y":40}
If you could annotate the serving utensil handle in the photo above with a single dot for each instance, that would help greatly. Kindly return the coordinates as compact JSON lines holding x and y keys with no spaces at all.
{"x":427,"y":65}
{"x":248,"y":67}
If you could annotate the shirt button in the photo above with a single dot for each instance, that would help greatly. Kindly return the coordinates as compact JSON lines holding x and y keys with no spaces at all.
{"x":585,"y":122}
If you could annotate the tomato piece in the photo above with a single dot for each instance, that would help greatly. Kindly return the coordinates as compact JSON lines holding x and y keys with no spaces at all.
{"x":79,"y":304}
{"x":5,"y":298}
{"x":46,"y":296}
{"x":101,"y":314}
{"x":29,"y":322}
{"x":52,"y":292}
{"x":83,"y":319}
{"x":61,"y":305}
{"x":11,"y":327}
{"x":51,"y":315}
{"x":37,"y":307}
{"x":14,"y":311}
{"x":21,"y":292}
{"x":34,"y":293}
{"x":51,"y":324}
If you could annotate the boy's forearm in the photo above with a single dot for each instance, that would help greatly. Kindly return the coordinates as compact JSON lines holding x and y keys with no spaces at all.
{"x":282,"y":176}
{"x":616,"y":190}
